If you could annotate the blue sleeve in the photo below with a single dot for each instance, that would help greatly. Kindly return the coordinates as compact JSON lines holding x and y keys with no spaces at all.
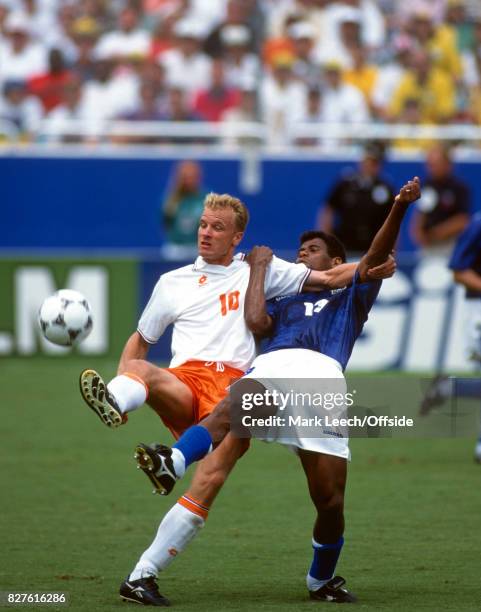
{"x":364,"y":294}
{"x":467,"y":247}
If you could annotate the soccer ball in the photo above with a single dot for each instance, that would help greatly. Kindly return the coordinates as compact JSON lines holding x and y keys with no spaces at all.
{"x":65,"y":318}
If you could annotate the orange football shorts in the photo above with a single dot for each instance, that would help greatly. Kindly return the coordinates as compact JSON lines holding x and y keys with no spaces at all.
{"x":208,"y":381}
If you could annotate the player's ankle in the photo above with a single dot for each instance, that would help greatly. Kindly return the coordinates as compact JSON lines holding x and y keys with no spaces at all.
{"x":178,"y":460}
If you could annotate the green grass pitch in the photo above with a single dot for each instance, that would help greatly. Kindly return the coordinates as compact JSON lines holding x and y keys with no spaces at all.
{"x":76,"y":513}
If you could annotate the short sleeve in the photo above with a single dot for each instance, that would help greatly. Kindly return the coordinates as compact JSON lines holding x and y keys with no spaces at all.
{"x":158,"y":313}
{"x":284,"y":278}
{"x":467,"y":247}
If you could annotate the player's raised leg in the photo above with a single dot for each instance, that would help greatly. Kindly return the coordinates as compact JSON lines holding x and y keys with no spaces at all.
{"x":142,"y":383}
{"x":138,"y":382}
{"x":187,"y":517}
{"x":326,"y":478}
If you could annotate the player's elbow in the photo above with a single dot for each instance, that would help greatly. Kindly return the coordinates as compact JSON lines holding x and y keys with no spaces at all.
{"x":258,"y":325}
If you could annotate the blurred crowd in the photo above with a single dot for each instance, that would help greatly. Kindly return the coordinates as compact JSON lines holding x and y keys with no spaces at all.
{"x":280,"y":62}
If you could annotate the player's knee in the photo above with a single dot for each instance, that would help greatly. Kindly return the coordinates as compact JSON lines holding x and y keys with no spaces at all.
{"x":140,"y":367}
{"x":155,"y":378}
{"x":329,"y":502}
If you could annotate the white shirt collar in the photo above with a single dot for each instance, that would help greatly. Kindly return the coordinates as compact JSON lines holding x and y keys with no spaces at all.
{"x":201,"y":264}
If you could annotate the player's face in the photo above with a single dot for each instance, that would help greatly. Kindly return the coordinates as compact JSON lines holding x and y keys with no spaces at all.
{"x":218,"y":236}
{"x":314,"y":254}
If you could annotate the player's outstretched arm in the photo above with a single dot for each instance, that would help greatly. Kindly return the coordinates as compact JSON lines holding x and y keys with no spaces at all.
{"x":385,"y":239}
{"x":255,"y":313}
{"x":135,"y":348}
{"x":343,"y":275}
{"x":335,"y":278}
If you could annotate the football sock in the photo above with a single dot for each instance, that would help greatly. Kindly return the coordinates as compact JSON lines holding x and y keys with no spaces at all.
{"x":468,"y":387}
{"x":129,"y":390}
{"x":194,"y":444}
{"x":323,"y":563}
{"x":179,"y":463}
{"x":178,"y":527}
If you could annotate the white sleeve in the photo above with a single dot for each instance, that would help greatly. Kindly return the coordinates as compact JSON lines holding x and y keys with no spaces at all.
{"x":158,"y":313}
{"x":284,"y":278}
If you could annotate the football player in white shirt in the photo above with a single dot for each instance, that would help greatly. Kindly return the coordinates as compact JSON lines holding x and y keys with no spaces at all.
{"x":211,"y":346}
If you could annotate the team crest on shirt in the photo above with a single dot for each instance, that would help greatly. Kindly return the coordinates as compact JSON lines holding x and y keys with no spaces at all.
{"x":202,"y":280}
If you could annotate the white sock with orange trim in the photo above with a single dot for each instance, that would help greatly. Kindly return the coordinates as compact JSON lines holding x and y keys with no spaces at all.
{"x":129,"y":391}
{"x":178,"y":527}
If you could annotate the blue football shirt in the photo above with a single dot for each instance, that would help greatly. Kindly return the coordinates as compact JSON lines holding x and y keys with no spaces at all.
{"x":467,"y":252}
{"x":328,"y":321}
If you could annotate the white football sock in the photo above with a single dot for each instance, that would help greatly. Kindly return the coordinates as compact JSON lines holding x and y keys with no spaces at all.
{"x":178,"y":460}
{"x":313,"y":584}
{"x":178,"y":527}
{"x":130,"y":393}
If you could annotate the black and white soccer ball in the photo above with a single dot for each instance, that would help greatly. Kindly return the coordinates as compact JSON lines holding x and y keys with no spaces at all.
{"x":65,"y":318}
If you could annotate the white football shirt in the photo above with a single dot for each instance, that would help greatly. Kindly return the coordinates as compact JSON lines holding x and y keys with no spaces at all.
{"x":205,"y":303}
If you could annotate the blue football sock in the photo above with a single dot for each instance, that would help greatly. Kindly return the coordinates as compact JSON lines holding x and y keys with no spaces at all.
{"x":194,"y":444}
{"x":468,"y":387}
{"x":323,"y":563}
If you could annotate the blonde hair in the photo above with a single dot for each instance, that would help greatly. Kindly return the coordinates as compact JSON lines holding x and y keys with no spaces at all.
{"x":216,"y":201}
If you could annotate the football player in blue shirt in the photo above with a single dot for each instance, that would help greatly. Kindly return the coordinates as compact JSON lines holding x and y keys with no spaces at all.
{"x":308,"y":336}
{"x":466,"y":266}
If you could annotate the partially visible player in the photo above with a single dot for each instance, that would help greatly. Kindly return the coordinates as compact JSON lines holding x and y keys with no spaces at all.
{"x":309,"y":336}
{"x":466,"y":265}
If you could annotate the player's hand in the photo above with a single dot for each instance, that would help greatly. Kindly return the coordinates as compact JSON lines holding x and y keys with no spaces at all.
{"x":385,"y":270}
{"x":410,"y":192}
{"x":259,"y":256}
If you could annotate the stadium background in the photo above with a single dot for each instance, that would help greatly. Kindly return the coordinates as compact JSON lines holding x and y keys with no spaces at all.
{"x":76,"y":514}
{"x":60,"y":212}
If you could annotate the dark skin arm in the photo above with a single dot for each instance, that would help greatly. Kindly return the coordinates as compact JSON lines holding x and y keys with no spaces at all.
{"x":469,"y":278}
{"x":257,"y":319}
{"x":385,"y":239}
{"x":341,"y":275}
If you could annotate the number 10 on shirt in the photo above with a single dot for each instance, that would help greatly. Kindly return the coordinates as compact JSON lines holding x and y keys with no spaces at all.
{"x":229,"y":301}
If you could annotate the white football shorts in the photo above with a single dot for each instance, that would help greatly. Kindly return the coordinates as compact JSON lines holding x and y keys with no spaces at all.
{"x":295,"y":373}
